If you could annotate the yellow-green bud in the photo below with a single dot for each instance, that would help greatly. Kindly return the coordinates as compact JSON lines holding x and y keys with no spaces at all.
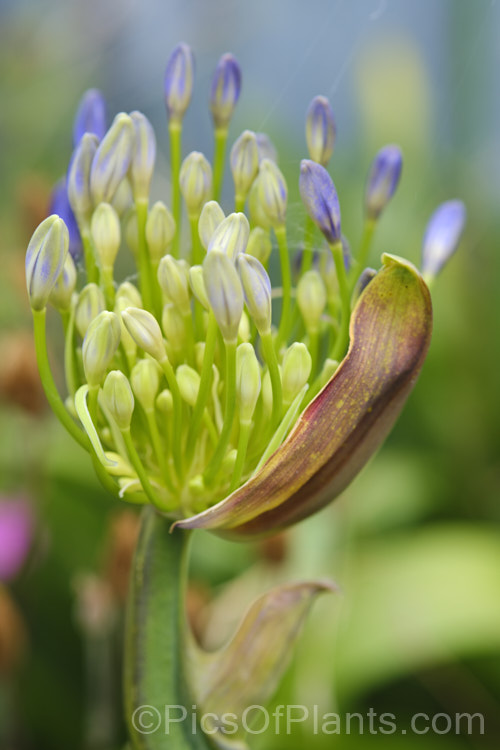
{"x":118,"y":398}
{"x":255,"y":208}
{"x":45,"y":256}
{"x":259,"y":245}
{"x":174,"y":327}
{"x":257,"y":290}
{"x":198,"y":286}
{"x":112,"y":159}
{"x":296,"y":369}
{"x":160,"y":230}
{"x":311,"y":299}
{"x":189,"y":383}
{"x":231,"y":236}
{"x":199,"y":353}
{"x":90,"y":303}
{"x":145,"y":331}
{"x":224,"y":292}
{"x":173,"y":277}
{"x":273,"y":192}
{"x":62,"y":291}
{"x":244,"y":332}
{"x":123,"y":199}
{"x":79,"y":194}
{"x":129,"y":292}
{"x":143,"y":158}
{"x":165,"y":402}
{"x":105,"y":230}
{"x":229,"y":461}
{"x":99,"y":346}
{"x":132,"y":232}
{"x":145,"y":380}
{"x":195,"y":180}
{"x":210,"y":218}
{"x":247,"y":381}
{"x":244,"y":160}
{"x":126,"y":340}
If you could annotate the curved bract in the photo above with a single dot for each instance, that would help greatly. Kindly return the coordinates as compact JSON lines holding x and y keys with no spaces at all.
{"x":347,"y":421}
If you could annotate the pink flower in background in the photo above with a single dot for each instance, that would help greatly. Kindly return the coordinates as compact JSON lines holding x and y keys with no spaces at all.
{"x":16,"y":532}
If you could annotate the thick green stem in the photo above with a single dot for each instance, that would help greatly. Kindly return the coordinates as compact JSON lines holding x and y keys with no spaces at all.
{"x":308,"y":254}
{"x":175,"y":132}
{"x":364,"y":251}
{"x":155,"y":642}
{"x":286,"y":284}
{"x":229,"y":410}
{"x":145,"y":270}
{"x":345,"y":301}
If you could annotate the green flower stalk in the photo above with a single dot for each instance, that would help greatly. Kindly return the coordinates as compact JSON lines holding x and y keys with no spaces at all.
{"x":202,"y":388}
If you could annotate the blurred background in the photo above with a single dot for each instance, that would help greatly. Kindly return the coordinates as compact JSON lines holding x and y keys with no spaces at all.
{"x":414,"y":543}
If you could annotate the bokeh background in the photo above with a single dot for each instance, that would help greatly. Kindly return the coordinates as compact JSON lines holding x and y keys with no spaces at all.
{"x":414,"y":543}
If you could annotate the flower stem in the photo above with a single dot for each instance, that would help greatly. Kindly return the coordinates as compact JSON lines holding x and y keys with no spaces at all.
{"x":145,"y":270}
{"x":229,"y":410}
{"x":175,"y":133}
{"x":364,"y":251}
{"x":219,"y":159}
{"x":286,"y":283}
{"x":345,"y":302}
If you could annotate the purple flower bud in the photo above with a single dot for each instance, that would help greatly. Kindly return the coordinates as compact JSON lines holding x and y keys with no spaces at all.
{"x":78,"y":181}
{"x":320,"y":199}
{"x":225,"y":92}
{"x":60,"y":205}
{"x":320,"y":130}
{"x":442,"y":236}
{"x":382,"y":180}
{"x":178,"y":83}
{"x":16,"y":531}
{"x":112,"y":159}
{"x":90,"y":116}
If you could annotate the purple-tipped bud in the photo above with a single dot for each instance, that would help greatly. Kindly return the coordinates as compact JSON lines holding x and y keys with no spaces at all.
{"x":225,"y":92}
{"x":382,"y":180}
{"x":320,"y":130}
{"x":367,"y":275}
{"x":79,"y":195}
{"x":442,"y":236}
{"x":320,"y":199}
{"x":112,"y":159}
{"x":60,"y":205}
{"x":178,"y":83}
{"x":90,"y":116}
{"x":45,"y":258}
{"x":266,"y":148}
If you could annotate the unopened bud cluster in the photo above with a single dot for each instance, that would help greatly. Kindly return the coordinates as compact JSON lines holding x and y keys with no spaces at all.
{"x":198,"y":361}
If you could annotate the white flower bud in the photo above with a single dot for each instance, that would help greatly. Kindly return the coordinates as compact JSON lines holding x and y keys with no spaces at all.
{"x":189,"y":383}
{"x":244,"y":160}
{"x":210,"y":218}
{"x":90,"y":303}
{"x":296,"y":369}
{"x":224,"y":292}
{"x":231,"y":236}
{"x":118,"y":398}
{"x":196,"y":182}
{"x":45,"y":256}
{"x":145,"y":380}
{"x":173,"y":277}
{"x":247,"y":381}
{"x":259,"y":245}
{"x":144,"y":329}
{"x":62,"y":291}
{"x":257,"y":291}
{"x":143,"y":156}
{"x":311,"y":299}
{"x":106,"y":233}
{"x":160,"y":230}
{"x":112,"y":159}
{"x":99,"y":346}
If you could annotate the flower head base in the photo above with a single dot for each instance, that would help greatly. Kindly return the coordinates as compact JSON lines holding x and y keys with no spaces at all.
{"x":227,"y":401}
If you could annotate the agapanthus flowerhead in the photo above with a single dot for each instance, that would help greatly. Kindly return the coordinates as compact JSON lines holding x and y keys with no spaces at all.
{"x":320,"y":198}
{"x":225,"y":91}
{"x":442,"y":236}
{"x":320,"y":130}
{"x":90,"y":116}
{"x":382,"y":180}
{"x":178,"y":82}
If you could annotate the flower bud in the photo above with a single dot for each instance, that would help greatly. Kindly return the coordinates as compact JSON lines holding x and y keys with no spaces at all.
{"x":45,"y":256}
{"x":112,"y":159}
{"x":199,"y":353}
{"x":273,"y":192}
{"x":62,"y":291}
{"x":244,"y":331}
{"x":60,"y":205}
{"x":79,"y":194}
{"x":105,"y":230}
{"x":210,"y":218}
{"x":258,"y":215}
{"x":165,"y":402}
{"x":224,"y":292}
{"x":231,"y":236}
{"x":244,"y":161}
{"x":296,"y":369}
{"x":365,"y":277}
{"x":174,"y":327}
{"x":128,"y":344}
{"x":143,"y":158}
{"x":225,"y":91}
{"x":382,"y":180}
{"x":442,"y":236}
{"x":320,"y":199}
{"x":173,"y":277}
{"x":89,"y":305}
{"x":90,"y":116}
{"x":257,"y":290}
{"x":99,"y":346}
{"x":259,"y":245}
{"x":178,"y":83}
{"x":145,"y":331}
{"x":198,"y":285}
{"x":196,"y":182}
{"x":247,"y":381}
{"x":311,"y":299}
{"x":320,"y":130}
{"x":118,"y":398}
{"x":160,"y":230}
{"x":128,"y":292}
{"x":123,"y":200}
{"x":189,"y":383}
{"x":267,"y":149}
{"x":145,"y":380}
